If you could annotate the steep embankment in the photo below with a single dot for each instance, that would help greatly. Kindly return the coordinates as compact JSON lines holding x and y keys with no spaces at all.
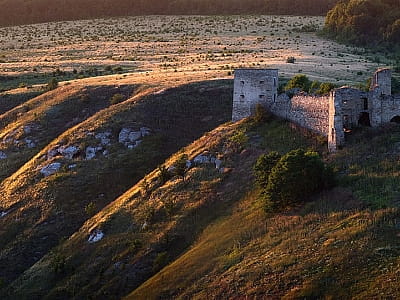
{"x":335,"y":246}
{"x":9,"y":100}
{"x":156,"y":220}
{"x":92,"y":163}
{"x":27,"y":128}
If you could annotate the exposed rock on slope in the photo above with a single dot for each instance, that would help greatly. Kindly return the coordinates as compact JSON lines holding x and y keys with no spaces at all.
{"x":49,"y":208}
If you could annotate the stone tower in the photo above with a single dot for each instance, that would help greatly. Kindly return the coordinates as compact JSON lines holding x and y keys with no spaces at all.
{"x":382,"y":79}
{"x":335,"y":121}
{"x":252,"y":87}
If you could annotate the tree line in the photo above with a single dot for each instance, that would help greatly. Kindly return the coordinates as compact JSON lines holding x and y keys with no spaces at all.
{"x":17,"y":12}
{"x":365,"y":23}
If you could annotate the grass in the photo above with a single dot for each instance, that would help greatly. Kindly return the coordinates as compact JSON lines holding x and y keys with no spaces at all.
{"x":101,"y":180}
{"x":370,"y":166}
{"x":46,"y":117}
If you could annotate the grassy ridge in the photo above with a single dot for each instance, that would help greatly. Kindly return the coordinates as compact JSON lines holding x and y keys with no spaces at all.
{"x":43,"y":118}
{"x":50,"y":208}
{"x":334,"y":246}
{"x":174,"y":213}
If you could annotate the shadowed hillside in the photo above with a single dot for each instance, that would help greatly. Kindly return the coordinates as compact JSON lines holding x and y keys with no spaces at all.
{"x":207,"y":236}
{"x":27,"y":128}
{"x":91,"y":164}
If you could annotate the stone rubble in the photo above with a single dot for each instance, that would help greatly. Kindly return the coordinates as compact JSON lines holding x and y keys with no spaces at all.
{"x":3,"y":155}
{"x":50,"y":169}
{"x":96,"y":236}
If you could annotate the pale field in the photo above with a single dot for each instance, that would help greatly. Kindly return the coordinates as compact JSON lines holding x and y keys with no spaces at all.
{"x":177,"y":49}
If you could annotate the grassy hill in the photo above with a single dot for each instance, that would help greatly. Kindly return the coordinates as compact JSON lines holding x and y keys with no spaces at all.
{"x":27,"y":128}
{"x":49,"y":208}
{"x":207,"y":235}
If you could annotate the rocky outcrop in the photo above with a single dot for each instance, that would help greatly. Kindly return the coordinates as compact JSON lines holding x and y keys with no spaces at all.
{"x":50,"y":169}
{"x":3,"y":155}
{"x":95,"y":236}
{"x":132,"y":138}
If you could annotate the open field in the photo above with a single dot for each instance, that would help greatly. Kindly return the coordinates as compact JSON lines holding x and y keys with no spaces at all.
{"x":189,"y":47}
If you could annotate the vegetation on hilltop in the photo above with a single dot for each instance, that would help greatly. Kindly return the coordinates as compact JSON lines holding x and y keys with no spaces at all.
{"x":17,"y":12}
{"x":368,"y":22}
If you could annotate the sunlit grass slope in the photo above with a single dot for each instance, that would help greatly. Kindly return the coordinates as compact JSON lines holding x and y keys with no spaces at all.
{"x":343,"y":244}
{"x":154,"y":222}
{"x":42,"y":210}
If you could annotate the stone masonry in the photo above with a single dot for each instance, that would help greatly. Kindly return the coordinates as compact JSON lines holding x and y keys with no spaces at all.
{"x":329,"y":115}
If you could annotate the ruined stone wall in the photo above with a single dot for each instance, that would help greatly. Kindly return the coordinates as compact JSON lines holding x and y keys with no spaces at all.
{"x":382,"y":79}
{"x":307,"y":111}
{"x":329,"y":115}
{"x":390,"y":108}
{"x":310,"y":112}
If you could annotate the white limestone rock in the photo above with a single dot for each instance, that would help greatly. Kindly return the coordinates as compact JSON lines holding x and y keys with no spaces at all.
{"x":188,"y":164}
{"x":96,"y":236}
{"x":3,"y":155}
{"x":123,"y":136}
{"x":145,"y":131}
{"x":134,"y":136}
{"x":218,"y":163}
{"x":30,"y":143}
{"x":201,"y":159}
{"x":90,"y":153}
{"x":50,"y":169}
{"x":104,"y":137}
{"x":68,"y":151}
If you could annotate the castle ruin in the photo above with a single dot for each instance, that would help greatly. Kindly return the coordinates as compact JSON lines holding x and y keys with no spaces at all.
{"x":329,"y":115}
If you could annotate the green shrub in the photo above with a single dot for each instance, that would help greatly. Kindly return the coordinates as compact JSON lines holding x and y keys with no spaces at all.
{"x":295,"y":177}
{"x":315,"y":86}
{"x":263,"y":167}
{"x":52,"y":84}
{"x":238,"y":140}
{"x":90,"y":209}
{"x":116,"y":98}
{"x":163,"y":174}
{"x":299,"y":81}
{"x":180,"y":167}
{"x":325,"y":88}
{"x":291,"y":60}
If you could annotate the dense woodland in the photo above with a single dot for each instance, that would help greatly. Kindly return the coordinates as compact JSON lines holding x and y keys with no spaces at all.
{"x":16,"y":12}
{"x":367,"y":22}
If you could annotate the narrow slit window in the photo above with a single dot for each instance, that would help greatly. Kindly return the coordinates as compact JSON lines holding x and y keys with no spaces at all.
{"x":274,"y":97}
{"x":365,"y":103}
{"x":274,"y":81}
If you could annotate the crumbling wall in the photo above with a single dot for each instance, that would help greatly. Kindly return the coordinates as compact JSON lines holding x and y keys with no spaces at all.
{"x":310,"y":112}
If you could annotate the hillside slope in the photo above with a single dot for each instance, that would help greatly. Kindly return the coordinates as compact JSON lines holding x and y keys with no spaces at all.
{"x":152,"y":223}
{"x":335,"y":246}
{"x":91,"y":164}
{"x":27,"y":128}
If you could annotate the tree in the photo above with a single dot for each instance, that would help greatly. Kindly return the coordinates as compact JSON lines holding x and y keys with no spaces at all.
{"x":325,"y":88}
{"x":52,"y":84}
{"x":299,"y":81}
{"x":263,"y":167}
{"x":180,"y":166}
{"x":294,"y":178}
